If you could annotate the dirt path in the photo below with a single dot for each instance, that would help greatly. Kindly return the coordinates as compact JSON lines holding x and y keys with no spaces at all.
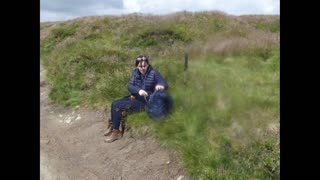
{"x":72,"y":147}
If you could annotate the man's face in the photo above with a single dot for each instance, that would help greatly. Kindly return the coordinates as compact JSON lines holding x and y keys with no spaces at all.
{"x":143,"y":66}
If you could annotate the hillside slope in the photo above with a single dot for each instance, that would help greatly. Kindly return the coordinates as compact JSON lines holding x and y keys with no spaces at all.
{"x":225,"y":122}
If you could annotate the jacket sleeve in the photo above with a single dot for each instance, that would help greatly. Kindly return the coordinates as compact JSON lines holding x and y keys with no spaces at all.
{"x":159,"y":80}
{"x":131,"y":87}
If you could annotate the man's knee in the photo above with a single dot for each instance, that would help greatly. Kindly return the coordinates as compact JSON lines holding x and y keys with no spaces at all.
{"x":117,"y":105}
{"x":114,"y":105}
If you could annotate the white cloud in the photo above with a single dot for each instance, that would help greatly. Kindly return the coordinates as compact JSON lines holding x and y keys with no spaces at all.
{"x":235,"y":7}
{"x":53,"y":10}
{"x":165,"y":6}
{"x":131,"y":6}
{"x":46,"y":15}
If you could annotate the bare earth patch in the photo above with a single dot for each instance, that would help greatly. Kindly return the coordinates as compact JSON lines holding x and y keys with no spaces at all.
{"x":72,"y":147}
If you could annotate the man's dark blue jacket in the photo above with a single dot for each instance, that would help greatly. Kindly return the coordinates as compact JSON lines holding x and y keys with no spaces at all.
{"x":147,"y":82}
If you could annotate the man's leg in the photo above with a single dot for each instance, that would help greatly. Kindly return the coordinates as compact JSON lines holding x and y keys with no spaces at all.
{"x":118,"y":106}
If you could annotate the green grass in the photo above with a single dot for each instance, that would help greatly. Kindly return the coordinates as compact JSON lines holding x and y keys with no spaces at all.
{"x":217,"y":115}
{"x":225,"y":118}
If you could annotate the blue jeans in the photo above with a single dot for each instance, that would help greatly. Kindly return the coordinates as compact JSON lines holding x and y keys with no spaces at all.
{"x":125,"y":104}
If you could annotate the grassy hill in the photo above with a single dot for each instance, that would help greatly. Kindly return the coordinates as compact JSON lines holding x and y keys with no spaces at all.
{"x":225,"y":122}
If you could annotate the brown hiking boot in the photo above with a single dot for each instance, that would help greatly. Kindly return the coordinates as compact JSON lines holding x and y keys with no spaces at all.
{"x":109,"y":128}
{"x":115,"y":135}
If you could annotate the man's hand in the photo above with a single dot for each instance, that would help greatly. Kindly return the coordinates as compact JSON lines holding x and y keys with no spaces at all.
{"x":159,"y":87}
{"x":143,"y":93}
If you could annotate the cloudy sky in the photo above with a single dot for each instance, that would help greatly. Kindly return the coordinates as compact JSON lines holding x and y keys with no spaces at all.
{"x":60,"y":10}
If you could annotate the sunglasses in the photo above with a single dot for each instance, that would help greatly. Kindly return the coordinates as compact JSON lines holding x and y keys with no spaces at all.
{"x":142,"y":58}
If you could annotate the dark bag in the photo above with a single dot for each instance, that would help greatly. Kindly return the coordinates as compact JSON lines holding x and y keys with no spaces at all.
{"x":158,"y":105}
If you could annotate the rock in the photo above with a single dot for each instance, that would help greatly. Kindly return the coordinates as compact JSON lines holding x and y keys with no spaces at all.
{"x":180,"y":177}
{"x":44,"y":141}
{"x":78,"y":118}
{"x":68,"y":120}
